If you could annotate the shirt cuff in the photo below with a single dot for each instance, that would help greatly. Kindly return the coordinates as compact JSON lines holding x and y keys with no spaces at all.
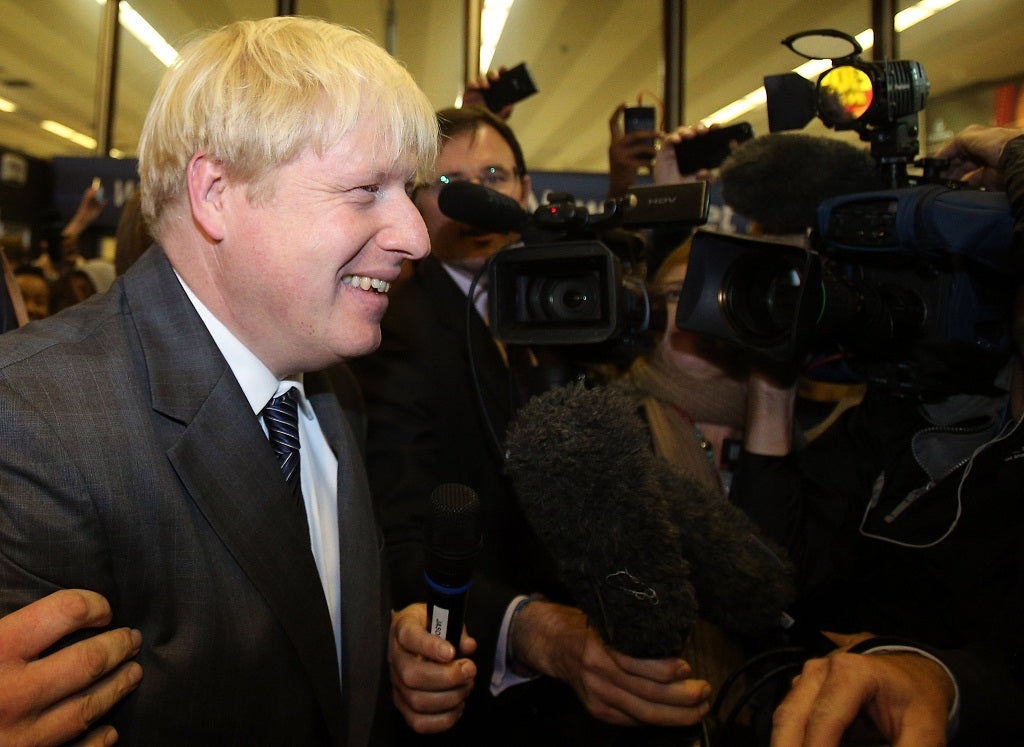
{"x":503,"y":676}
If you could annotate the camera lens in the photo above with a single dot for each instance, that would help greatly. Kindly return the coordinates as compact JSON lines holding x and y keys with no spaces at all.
{"x":573,"y":298}
{"x":760,"y":296}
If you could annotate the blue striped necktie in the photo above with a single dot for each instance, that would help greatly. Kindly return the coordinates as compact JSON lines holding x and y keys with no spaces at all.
{"x":281,"y":417}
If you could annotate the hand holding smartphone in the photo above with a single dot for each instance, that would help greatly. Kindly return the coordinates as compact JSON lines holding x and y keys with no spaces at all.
{"x":709,"y":149}
{"x":639,"y":119}
{"x":97,"y":186}
{"x":512,"y":86}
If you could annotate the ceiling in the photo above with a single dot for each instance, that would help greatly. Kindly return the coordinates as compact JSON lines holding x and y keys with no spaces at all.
{"x":586,"y":57}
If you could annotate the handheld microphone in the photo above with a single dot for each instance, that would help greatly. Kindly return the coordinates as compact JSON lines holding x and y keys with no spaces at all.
{"x":454,"y":533}
{"x":481,"y":207}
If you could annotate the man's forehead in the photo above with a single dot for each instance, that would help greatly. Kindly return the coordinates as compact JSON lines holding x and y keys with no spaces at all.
{"x":466,"y":148}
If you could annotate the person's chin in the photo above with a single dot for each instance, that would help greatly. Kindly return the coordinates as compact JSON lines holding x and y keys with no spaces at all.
{"x":473,"y":261}
{"x":365,"y":342}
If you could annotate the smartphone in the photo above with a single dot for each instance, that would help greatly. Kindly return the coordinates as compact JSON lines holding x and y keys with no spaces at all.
{"x":511,"y":86}
{"x":639,"y":118}
{"x":97,"y":184}
{"x":708,"y":150}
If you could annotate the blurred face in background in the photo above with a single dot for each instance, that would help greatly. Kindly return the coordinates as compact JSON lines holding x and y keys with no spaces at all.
{"x":35,"y":291}
{"x":481,"y":156}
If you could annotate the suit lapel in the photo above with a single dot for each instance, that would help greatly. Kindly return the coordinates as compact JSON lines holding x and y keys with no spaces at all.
{"x":228,"y":468}
{"x":362,"y":595}
{"x":490,"y":365}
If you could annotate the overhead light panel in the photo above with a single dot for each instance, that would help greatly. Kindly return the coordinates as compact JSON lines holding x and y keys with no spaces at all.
{"x":7,"y":106}
{"x":67,"y":133}
{"x":139,"y":27}
{"x":492,"y":23}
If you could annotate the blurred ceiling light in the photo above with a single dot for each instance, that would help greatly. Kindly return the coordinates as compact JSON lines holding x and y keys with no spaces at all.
{"x":7,"y":106}
{"x":492,"y":22}
{"x":138,"y":27}
{"x":904,"y":20}
{"x":141,"y":30}
{"x":68,"y":134}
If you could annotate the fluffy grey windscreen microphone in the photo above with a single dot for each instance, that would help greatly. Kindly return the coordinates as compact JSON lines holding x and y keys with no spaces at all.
{"x":582,"y":472}
{"x":643,"y":546}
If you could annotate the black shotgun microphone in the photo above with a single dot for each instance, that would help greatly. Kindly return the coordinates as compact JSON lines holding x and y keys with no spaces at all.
{"x":453,"y":536}
{"x":580,"y":463}
{"x":481,"y":207}
{"x":643,"y":547}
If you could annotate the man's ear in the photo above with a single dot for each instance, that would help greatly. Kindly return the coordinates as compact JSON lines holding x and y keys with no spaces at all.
{"x":205,"y":178}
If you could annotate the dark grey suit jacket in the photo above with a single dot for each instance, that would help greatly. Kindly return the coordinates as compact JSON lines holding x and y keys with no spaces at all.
{"x":132,"y":464}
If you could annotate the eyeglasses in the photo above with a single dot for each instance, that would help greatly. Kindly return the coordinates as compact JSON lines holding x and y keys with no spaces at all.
{"x":494,"y":177}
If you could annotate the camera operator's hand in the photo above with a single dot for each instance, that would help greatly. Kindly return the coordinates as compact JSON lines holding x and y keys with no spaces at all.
{"x":771,"y":396}
{"x":474,"y":93}
{"x":907,"y":697}
{"x":628,"y":152}
{"x":974,"y":155}
{"x":666,"y":168}
{"x":556,"y":640}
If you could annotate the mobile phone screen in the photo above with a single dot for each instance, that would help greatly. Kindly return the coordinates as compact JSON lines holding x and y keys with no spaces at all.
{"x":638,"y":118}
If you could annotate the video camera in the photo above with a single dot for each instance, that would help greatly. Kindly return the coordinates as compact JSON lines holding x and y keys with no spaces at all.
{"x":577,"y":278}
{"x":906,"y":288}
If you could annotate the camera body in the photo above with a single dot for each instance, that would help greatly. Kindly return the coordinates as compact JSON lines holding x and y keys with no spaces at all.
{"x":907,"y":290}
{"x":579,"y":278}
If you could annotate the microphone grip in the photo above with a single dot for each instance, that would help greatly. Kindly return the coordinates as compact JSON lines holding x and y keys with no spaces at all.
{"x":446,"y":608}
{"x":453,"y":534}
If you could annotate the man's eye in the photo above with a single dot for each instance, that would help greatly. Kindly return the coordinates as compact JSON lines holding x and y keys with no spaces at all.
{"x":371,"y":188}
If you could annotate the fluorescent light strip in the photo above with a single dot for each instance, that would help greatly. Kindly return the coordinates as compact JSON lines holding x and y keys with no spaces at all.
{"x":492,"y":23}
{"x":139,"y":27}
{"x":903,"y":20}
{"x":141,"y":30}
{"x":67,"y":133}
{"x":7,"y":106}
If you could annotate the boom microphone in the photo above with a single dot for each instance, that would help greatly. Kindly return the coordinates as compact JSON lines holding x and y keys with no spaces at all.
{"x":643,"y":547}
{"x":582,"y":479}
{"x":480,"y":207}
{"x":454,"y":533}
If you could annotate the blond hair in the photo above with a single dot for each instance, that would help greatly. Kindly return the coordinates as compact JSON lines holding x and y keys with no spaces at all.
{"x":255,"y":95}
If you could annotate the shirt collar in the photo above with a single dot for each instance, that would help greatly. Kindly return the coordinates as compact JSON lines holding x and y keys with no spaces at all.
{"x":465,"y":282}
{"x":258,"y":384}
